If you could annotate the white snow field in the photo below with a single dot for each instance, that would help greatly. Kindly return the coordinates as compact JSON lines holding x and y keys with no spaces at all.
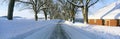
{"x":54,"y":29}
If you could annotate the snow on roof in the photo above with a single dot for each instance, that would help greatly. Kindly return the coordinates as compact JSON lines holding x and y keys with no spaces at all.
{"x":113,"y":15}
{"x":109,"y":12}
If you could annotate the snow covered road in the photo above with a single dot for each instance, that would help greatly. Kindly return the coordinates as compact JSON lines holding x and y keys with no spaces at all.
{"x":58,"y":31}
{"x":54,"y":29}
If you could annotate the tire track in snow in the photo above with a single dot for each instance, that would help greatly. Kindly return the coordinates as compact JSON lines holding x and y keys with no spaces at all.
{"x":31,"y":32}
{"x":59,"y":33}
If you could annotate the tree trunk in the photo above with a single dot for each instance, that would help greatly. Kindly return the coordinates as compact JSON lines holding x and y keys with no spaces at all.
{"x":73,"y":16}
{"x":11,"y":9}
{"x":36,"y":16}
{"x":45,"y":15}
{"x":50,"y":15}
{"x":85,"y":14}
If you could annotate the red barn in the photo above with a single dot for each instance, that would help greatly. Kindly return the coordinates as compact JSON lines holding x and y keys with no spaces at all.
{"x":108,"y":16}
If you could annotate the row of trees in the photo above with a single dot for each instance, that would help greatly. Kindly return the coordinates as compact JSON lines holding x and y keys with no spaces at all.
{"x":59,"y":9}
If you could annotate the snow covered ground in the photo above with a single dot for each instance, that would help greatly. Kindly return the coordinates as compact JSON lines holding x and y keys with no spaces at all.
{"x":17,"y":27}
{"x":102,"y":32}
{"x":43,"y":29}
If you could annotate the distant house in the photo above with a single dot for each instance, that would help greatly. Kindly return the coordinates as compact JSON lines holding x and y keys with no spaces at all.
{"x":108,"y":16}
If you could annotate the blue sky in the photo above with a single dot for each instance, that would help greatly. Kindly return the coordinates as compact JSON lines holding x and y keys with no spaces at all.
{"x":93,"y":9}
{"x":97,"y":6}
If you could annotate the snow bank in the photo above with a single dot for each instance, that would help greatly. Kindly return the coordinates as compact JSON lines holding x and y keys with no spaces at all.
{"x":78,"y":33}
{"x":21,"y":28}
{"x":103,"y":32}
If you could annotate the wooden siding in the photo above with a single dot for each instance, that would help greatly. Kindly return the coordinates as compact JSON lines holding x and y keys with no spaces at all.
{"x":111,"y":22}
{"x":106,"y":22}
{"x":95,"y":21}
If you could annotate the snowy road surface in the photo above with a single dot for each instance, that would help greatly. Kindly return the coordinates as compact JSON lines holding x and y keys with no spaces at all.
{"x":54,"y":29}
{"x":57,"y":31}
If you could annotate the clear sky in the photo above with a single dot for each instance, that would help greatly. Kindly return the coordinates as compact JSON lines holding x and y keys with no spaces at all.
{"x":93,"y":9}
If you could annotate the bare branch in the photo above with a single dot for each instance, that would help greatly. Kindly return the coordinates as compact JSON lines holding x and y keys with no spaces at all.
{"x":75,"y":4}
{"x":93,"y":3}
{"x":62,"y":1}
{"x":40,"y":6}
{"x":87,"y":2}
{"x":32,"y":2}
{"x":25,"y":2}
{"x":26,"y":8}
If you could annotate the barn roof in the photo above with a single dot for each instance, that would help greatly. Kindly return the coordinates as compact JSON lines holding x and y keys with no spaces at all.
{"x":111,"y":11}
{"x":113,"y":15}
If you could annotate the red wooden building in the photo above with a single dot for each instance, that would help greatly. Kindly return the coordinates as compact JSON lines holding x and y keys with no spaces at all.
{"x":108,"y":16}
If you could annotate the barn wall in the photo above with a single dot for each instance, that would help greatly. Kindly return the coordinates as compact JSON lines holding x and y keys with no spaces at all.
{"x":111,"y":22}
{"x":95,"y":21}
{"x":91,"y":21}
{"x":119,"y":22}
{"x":106,"y":22}
{"x":99,"y":22}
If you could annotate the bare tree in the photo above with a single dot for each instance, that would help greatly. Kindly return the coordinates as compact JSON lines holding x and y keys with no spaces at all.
{"x":84,"y":5}
{"x":35,"y":5}
{"x":69,"y":9}
{"x":11,"y":9}
{"x":48,"y":5}
{"x":52,"y":9}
